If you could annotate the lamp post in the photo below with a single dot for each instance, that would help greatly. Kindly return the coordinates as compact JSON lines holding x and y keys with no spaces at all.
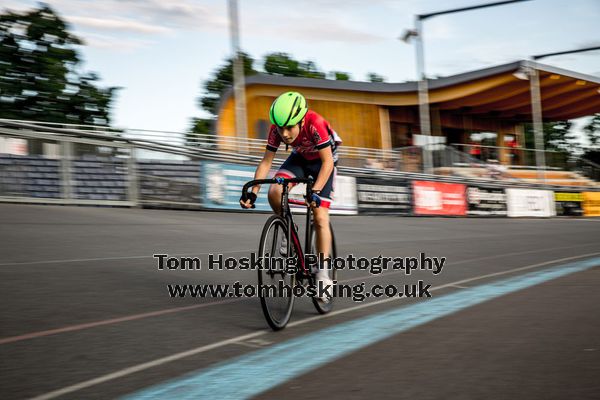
{"x":417,"y":33}
{"x":238,"y":77}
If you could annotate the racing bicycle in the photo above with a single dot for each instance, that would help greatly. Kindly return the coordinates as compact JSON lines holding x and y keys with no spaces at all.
{"x":280,"y":238}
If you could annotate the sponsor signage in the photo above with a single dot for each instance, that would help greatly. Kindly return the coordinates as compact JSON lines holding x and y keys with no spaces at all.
{"x":530,"y":203}
{"x":486,"y":201}
{"x":439,"y":198}
{"x":591,"y":204}
{"x":222,"y":184}
{"x":383,"y":196}
{"x":15,"y":146}
{"x":568,"y":203}
{"x":344,"y":197}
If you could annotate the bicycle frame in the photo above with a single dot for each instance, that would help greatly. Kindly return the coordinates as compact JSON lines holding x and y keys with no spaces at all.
{"x":302,"y":272}
{"x":286,"y":213}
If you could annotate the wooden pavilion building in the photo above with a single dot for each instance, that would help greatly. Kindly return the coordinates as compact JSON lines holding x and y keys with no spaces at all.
{"x":386,"y":115}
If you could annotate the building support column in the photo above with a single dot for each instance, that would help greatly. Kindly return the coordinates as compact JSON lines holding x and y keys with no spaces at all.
{"x":385,"y":129}
{"x":436,"y":122}
{"x":502,"y":153}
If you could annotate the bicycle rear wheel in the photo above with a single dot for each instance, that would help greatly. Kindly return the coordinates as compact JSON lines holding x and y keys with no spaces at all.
{"x":277,"y":307}
{"x":322,"y":306}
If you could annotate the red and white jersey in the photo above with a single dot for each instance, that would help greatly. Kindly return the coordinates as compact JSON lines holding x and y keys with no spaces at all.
{"x":315,"y":134}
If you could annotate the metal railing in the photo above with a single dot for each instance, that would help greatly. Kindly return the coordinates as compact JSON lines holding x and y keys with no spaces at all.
{"x":69,"y":170}
{"x":186,"y":139}
{"x":587,"y":168}
{"x":233,"y":148}
{"x":406,"y":159}
{"x":560,"y":166}
{"x":450,"y":161}
{"x":68,"y":165}
{"x":514,"y":157}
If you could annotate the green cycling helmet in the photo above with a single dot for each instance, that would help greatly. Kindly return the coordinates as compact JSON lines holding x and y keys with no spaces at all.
{"x":288,"y":109}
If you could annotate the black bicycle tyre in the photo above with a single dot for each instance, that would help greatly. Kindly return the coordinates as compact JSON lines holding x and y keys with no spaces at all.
{"x":272,"y":222}
{"x":322,"y":307}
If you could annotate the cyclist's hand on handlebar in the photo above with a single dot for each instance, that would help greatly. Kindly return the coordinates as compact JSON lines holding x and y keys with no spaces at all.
{"x":314,"y":200}
{"x":247,"y":200}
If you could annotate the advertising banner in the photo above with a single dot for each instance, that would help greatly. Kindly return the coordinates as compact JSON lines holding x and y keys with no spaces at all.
{"x":530,"y":203}
{"x":591,"y":204}
{"x":568,"y":203}
{"x":222,"y":184}
{"x":383,"y":196}
{"x":486,"y":201}
{"x":15,"y":146}
{"x":439,"y":198}
{"x":344,"y":199}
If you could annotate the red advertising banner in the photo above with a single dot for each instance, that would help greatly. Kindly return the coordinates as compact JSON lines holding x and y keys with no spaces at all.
{"x":438,"y":198}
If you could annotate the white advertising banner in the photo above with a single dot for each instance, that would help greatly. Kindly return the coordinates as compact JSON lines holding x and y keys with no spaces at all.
{"x":344,"y":197}
{"x":530,"y":203}
{"x":15,"y":146}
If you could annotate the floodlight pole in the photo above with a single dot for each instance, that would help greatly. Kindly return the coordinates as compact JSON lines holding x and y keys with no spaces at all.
{"x":536,"y":108}
{"x":538,"y":126}
{"x":238,"y":78}
{"x":424,"y":115}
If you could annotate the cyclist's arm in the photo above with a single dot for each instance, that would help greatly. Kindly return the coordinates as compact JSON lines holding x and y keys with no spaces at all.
{"x":326,"y":168}
{"x":263,"y":168}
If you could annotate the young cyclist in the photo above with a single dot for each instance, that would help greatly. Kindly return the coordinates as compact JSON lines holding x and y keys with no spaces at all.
{"x":314,"y":145}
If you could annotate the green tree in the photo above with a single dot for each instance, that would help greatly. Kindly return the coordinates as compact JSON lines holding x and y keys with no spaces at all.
{"x":39,"y":74}
{"x":592,"y":131}
{"x":202,"y":126}
{"x":340,"y":76}
{"x":592,"y":155}
{"x":276,"y":63}
{"x":283,"y":64}
{"x":310,"y":70}
{"x":557,"y":137}
{"x":373,"y":77}
{"x":221,"y":80}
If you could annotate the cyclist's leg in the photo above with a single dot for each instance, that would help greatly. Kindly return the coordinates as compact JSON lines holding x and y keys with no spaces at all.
{"x":324,"y":238}
{"x":321,"y":214}
{"x":291,"y":168}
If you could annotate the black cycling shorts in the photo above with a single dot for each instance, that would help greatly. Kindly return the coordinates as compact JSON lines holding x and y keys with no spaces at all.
{"x":297,"y":166}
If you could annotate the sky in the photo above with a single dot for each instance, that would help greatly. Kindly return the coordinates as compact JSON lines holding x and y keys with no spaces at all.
{"x":161,"y":51}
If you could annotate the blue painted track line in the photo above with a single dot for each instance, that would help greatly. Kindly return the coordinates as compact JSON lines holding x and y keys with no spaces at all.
{"x":261,"y":370}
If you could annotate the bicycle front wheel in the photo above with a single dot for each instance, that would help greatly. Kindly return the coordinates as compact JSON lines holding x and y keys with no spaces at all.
{"x":277,"y":306}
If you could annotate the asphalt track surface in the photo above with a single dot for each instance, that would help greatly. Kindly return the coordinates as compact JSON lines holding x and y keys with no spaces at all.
{"x":86,"y":314}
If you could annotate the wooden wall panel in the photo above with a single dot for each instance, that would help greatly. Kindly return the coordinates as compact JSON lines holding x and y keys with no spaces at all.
{"x":226,"y":119}
{"x":357,"y":124}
